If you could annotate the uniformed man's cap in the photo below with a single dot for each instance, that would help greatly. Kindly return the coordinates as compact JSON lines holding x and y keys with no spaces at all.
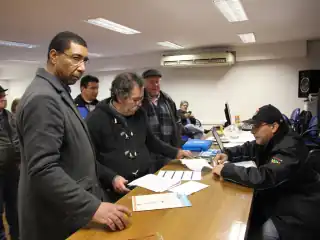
{"x":266,"y":114}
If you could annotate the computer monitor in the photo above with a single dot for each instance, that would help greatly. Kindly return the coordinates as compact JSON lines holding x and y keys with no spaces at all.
{"x":227,"y":115}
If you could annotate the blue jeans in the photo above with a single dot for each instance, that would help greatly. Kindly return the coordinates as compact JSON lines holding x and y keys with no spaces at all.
{"x":8,"y":201}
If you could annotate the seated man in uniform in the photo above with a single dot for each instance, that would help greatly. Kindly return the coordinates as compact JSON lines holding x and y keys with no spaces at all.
{"x":122,"y":136}
{"x":287,"y":189}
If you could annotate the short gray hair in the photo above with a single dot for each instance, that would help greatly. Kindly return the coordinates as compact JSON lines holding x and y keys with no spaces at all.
{"x":123,"y":84}
{"x":184,"y":102}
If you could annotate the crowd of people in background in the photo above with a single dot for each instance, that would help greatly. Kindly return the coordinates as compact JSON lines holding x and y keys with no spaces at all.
{"x":75,"y":157}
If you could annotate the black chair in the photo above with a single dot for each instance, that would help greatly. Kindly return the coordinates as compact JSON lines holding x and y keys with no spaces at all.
{"x":311,"y":135}
{"x":314,"y":159}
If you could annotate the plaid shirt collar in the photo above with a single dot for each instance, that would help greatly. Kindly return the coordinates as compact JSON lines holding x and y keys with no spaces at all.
{"x":154,"y":100}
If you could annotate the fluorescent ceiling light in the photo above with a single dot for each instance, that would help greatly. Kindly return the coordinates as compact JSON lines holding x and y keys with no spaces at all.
{"x":93,"y":55}
{"x":170,"y":45}
{"x":104,"y":23}
{"x":17,"y":44}
{"x":247,"y":37}
{"x":232,"y":10}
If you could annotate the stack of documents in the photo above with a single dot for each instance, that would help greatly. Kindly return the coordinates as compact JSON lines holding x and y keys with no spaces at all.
{"x":181,"y":175}
{"x":155,"y":183}
{"x":159,"y":201}
{"x":196,"y":164}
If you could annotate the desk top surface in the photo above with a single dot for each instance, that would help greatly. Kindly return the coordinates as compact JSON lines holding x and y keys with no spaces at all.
{"x":220,"y":211}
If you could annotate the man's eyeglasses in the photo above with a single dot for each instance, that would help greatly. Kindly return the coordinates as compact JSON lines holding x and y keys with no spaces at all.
{"x":256,"y":127}
{"x":77,"y":59}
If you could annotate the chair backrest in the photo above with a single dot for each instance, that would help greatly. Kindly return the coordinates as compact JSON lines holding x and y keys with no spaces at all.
{"x":304,"y":121}
{"x":295,"y":115}
{"x":286,"y":120}
{"x":313,"y":125}
{"x":314,"y":159}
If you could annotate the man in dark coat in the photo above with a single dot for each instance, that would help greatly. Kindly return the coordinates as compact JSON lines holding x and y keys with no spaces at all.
{"x":9,"y":169}
{"x":162,"y":115}
{"x":58,"y":189}
{"x":122,"y":137}
{"x":287,"y":188}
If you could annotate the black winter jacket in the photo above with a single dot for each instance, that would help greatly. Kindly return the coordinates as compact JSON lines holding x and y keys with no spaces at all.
{"x":123,"y":144}
{"x":287,"y":188}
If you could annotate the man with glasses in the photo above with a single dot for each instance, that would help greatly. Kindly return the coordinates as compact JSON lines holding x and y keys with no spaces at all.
{"x":287,"y":188}
{"x":122,"y":137}
{"x":87,"y":100}
{"x":9,"y":169}
{"x":58,"y":190}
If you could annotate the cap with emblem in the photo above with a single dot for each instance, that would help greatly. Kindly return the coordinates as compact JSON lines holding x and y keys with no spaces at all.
{"x":151,"y":73}
{"x":2,"y":90}
{"x":266,"y":114}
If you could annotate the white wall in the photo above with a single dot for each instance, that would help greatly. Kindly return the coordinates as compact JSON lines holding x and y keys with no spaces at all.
{"x":4,"y":84}
{"x":265,"y":74}
{"x":246,"y":86}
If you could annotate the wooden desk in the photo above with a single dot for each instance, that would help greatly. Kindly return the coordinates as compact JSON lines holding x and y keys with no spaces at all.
{"x":220,"y":211}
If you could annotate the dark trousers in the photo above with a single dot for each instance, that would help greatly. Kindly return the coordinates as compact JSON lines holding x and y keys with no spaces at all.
{"x":8,"y":202}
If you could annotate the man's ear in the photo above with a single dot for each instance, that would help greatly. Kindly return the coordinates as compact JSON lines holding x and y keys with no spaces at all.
{"x":53,"y":55}
{"x":275,"y":127}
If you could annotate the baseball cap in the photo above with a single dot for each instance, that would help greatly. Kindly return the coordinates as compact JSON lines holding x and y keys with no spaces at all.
{"x":151,"y":73}
{"x":266,"y":114}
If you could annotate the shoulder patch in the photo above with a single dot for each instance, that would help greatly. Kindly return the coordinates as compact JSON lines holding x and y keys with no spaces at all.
{"x":276,"y":160}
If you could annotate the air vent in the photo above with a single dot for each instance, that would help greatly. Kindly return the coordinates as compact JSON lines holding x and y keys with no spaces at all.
{"x":201,"y":59}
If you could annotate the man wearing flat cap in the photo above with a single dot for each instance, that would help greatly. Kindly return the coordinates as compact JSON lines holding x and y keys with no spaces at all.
{"x":9,"y":171}
{"x":162,"y":115}
{"x":287,"y":189}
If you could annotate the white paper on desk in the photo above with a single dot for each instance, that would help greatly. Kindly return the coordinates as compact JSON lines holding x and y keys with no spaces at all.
{"x":168,"y":174}
{"x":181,"y":175}
{"x":155,"y":183}
{"x":196,"y":176}
{"x":189,"y":187}
{"x":161,"y":173}
{"x":177,"y":175}
{"x":246,"y":164}
{"x":241,"y":137}
{"x":196,"y":164}
{"x":159,"y":201}
{"x":232,"y":144}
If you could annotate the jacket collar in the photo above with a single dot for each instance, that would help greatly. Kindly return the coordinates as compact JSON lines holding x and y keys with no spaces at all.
{"x":80,"y":102}
{"x":62,"y":91}
{"x":277,"y":138}
{"x":53,"y":80}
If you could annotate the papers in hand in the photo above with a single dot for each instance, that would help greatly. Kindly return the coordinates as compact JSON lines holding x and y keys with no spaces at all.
{"x":155,"y":183}
{"x":196,"y":164}
{"x":246,"y":164}
{"x":180,"y":175}
{"x":159,"y":201}
{"x":189,"y":188}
